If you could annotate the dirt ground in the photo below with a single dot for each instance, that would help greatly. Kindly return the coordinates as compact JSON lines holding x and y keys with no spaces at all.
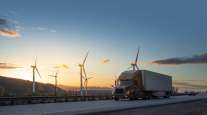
{"x":188,"y":108}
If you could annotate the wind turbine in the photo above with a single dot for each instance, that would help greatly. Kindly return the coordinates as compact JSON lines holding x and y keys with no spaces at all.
{"x":82,"y":74}
{"x":55,"y":76}
{"x":86,"y":84}
{"x":34,"y":69}
{"x":134,"y":64}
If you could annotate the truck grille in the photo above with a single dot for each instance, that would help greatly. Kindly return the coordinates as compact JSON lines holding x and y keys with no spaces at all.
{"x":119,"y":91}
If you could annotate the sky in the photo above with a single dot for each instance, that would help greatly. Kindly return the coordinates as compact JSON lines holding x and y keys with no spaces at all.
{"x":61,"y":32}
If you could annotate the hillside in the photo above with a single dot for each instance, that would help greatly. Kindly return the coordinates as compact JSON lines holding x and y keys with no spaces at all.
{"x":65,"y":87}
{"x":19,"y":87}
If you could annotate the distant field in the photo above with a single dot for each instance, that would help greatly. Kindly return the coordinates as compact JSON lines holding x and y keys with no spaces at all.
{"x":188,"y":108}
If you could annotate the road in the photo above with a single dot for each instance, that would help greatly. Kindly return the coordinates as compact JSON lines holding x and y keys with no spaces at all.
{"x":71,"y":108}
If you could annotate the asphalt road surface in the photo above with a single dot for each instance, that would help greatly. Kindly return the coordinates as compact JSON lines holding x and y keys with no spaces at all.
{"x":72,"y":108}
{"x":198,"y":107}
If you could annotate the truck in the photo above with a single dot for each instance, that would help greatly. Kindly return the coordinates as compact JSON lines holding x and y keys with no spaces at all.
{"x":144,"y":84}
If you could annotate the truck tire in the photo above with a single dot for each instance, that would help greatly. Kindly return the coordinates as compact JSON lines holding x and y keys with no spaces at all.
{"x":116,"y":98}
{"x":147,"y":98}
{"x":167,"y":95}
{"x":132,"y":98}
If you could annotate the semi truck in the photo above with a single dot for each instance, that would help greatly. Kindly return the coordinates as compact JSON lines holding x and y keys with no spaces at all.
{"x":135,"y":84}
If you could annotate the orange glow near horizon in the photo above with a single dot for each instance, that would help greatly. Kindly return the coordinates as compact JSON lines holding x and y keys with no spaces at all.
{"x":102,"y":74}
{"x":70,"y":78}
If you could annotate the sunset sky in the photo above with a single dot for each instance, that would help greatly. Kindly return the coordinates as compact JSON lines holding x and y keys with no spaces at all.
{"x":172,"y":36}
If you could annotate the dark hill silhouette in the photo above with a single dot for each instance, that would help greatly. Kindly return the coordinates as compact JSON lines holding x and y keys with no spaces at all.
{"x":19,"y":87}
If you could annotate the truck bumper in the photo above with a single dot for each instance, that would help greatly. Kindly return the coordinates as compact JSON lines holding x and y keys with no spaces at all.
{"x":119,"y":96}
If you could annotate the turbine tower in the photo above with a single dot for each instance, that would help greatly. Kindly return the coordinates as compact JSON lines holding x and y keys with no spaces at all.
{"x":86,"y":84}
{"x":115,"y":81}
{"x":55,"y":76}
{"x":34,"y":70}
{"x":134,"y":64}
{"x":82,"y":74}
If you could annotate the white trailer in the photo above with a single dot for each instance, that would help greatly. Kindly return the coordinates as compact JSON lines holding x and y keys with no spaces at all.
{"x":155,"y":81}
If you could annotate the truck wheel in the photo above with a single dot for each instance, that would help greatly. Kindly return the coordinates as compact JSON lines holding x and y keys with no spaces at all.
{"x":116,"y":98}
{"x":145,"y":98}
{"x":131,"y":98}
{"x":167,"y":95}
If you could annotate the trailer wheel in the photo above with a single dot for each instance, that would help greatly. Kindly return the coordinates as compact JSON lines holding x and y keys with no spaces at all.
{"x":166,"y":96}
{"x":146,"y":98}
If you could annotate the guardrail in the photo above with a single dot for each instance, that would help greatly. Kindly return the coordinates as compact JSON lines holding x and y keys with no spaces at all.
{"x":49,"y":99}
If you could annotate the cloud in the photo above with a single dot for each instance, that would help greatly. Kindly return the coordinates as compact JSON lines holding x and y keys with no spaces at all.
{"x":3,"y":21}
{"x":52,"y":30}
{"x":41,"y":28}
{"x":7,"y":28}
{"x":104,"y":61}
{"x":196,"y":59}
{"x":8,"y":66}
{"x":44,"y":29}
{"x":191,"y":84}
{"x":9,"y":33}
{"x":61,"y":66}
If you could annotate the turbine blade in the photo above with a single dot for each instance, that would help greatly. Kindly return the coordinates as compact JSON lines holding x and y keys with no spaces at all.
{"x":35,"y":60}
{"x":130,"y":67}
{"x":84,"y":72}
{"x":51,"y":75}
{"x":137,"y":67}
{"x":137,"y":56}
{"x":56,"y":74}
{"x":38,"y":73}
{"x":85,"y":58}
{"x":85,"y":83}
{"x":89,"y":78}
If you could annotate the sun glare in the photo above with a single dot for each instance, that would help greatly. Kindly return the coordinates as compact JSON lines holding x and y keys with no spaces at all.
{"x":23,"y":74}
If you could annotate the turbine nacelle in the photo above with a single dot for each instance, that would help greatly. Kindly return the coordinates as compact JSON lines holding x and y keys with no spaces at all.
{"x":33,"y":66}
{"x":80,"y":65}
{"x":134,"y":64}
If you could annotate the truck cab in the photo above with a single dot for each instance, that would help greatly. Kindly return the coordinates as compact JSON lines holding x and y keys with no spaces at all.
{"x":126,"y":86}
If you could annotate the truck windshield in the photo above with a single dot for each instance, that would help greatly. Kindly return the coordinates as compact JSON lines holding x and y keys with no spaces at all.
{"x":125,"y":82}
